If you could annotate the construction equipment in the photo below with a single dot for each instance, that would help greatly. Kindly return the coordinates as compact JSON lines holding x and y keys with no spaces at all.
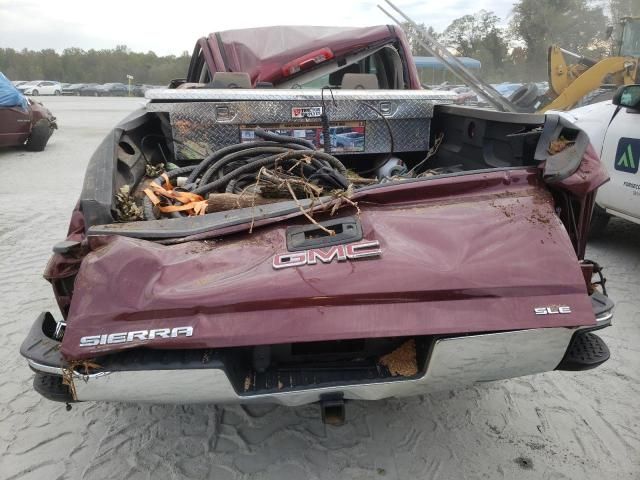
{"x":573,"y":77}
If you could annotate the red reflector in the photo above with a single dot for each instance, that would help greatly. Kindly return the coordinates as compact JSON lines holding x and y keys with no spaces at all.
{"x":307,"y":61}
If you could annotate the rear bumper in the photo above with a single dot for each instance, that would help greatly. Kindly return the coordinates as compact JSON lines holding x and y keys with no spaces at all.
{"x":452,"y":362}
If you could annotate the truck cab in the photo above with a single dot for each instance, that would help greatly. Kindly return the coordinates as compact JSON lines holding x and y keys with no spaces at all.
{"x":324,"y":56}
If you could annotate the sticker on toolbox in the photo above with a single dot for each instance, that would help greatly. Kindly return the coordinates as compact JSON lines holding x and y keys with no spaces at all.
{"x":306,"y":112}
{"x":345,"y":136}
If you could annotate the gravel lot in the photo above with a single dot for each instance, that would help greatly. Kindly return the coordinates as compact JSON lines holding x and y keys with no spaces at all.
{"x":556,"y":425}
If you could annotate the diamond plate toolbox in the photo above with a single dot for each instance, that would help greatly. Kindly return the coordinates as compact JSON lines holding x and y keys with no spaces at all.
{"x":202,"y":121}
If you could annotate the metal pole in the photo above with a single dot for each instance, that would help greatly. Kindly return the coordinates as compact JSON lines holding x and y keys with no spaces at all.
{"x":451,"y":62}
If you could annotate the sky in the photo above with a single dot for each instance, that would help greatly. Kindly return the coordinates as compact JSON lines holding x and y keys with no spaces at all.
{"x":144,"y":26}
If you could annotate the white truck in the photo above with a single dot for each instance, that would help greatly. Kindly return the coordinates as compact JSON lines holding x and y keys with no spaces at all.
{"x":614,"y":129}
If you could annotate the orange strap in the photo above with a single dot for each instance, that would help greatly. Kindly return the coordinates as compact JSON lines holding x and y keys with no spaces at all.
{"x":192,"y":203}
{"x":167,"y":184}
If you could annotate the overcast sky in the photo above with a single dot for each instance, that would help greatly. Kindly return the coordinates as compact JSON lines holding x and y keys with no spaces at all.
{"x":59,"y":24}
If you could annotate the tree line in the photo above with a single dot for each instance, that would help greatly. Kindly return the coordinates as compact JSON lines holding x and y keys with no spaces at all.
{"x":75,"y":65}
{"x":517,"y":52}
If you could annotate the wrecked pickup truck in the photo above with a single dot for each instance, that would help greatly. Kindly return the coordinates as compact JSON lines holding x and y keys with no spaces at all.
{"x":228,"y":246}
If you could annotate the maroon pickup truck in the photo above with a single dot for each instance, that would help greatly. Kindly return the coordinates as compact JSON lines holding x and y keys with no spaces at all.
{"x":227,"y":248}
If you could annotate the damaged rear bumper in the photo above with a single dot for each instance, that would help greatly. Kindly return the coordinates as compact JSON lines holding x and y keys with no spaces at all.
{"x":183,"y":377}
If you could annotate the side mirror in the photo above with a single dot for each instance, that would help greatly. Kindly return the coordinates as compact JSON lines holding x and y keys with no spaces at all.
{"x":628,"y":96}
{"x":608,"y":32}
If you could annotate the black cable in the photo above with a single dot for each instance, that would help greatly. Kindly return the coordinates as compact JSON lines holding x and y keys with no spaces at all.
{"x":324,"y":120}
{"x":239,"y":165}
{"x":247,"y":150}
{"x":281,"y":157}
{"x":283,"y":138}
{"x":218,"y":154}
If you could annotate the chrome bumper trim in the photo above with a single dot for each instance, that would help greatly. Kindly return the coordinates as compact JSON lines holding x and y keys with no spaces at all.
{"x":604,"y":319}
{"x":44,"y":368}
{"x":453,"y":362}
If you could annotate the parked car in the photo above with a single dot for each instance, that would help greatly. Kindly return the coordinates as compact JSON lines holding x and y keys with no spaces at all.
{"x":73,"y":89}
{"x":465,"y":267}
{"x":41,"y":87}
{"x":23,"y":121}
{"x":107,"y":90}
{"x":88,"y":89}
{"x":139,"y":90}
{"x":614,"y":129}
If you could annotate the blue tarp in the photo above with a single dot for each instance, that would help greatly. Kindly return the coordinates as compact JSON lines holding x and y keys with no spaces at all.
{"x":10,"y":96}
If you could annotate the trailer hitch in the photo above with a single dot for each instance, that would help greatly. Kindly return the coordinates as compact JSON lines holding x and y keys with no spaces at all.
{"x":332,"y":408}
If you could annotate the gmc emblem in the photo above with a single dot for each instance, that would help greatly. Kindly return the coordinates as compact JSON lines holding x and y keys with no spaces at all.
{"x":340,"y":253}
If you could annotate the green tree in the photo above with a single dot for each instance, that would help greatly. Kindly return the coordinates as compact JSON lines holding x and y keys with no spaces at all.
{"x":478,"y":36}
{"x":576,"y":25}
{"x":82,"y":66}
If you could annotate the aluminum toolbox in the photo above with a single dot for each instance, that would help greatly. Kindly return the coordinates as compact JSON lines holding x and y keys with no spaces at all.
{"x":362,"y":121}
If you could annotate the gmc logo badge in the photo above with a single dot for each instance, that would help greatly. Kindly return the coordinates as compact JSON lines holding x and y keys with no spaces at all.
{"x":340,"y":253}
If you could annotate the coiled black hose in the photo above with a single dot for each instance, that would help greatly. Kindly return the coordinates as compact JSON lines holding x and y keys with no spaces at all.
{"x":283,"y":138}
{"x":283,"y":157}
{"x":229,"y":167}
{"x":249,"y":151}
{"x":218,"y":154}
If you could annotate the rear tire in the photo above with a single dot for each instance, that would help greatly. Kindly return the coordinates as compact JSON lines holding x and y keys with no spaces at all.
{"x":40,"y":134}
{"x":599,"y":221}
{"x":56,"y":93}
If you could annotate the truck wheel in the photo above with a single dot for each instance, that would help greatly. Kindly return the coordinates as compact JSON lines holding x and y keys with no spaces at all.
{"x":599,"y":220}
{"x":40,"y":134}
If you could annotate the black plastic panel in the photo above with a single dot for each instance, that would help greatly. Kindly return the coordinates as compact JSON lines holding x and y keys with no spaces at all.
{"x":304,"y":237}
{"x":586,"y":351}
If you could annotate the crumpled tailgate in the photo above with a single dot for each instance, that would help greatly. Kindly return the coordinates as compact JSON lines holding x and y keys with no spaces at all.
{"x":476,"y":255}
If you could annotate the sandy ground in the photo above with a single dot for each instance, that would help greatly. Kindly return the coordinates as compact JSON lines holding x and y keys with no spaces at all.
{"x":553,"y":426}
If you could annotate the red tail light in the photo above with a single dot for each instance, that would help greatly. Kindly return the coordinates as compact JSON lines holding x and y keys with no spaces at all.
{"x":307,"y":61}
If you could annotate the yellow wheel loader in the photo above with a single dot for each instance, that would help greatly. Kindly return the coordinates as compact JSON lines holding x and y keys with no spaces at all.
{"x":573,"y":77}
